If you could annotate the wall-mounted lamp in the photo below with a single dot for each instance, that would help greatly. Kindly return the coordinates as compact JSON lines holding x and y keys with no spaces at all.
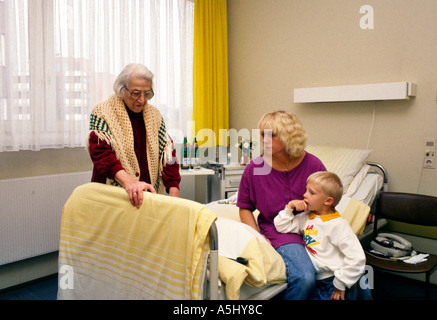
{"x":362,"y":92}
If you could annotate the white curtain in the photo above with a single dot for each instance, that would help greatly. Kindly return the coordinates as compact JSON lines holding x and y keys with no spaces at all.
{"x":58,"y":58}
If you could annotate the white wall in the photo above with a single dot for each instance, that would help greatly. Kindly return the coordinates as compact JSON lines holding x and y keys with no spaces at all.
{"x":278,"y":45}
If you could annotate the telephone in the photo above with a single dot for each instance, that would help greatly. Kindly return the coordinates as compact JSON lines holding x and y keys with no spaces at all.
{"x":391,"y":245}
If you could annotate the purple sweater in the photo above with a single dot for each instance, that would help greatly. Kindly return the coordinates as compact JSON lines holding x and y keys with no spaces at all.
{"x":270,"y":193}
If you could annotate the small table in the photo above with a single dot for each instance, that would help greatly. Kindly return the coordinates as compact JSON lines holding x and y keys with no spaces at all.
{"x":226,"y":180}
{"x":200,"y":172}
{"x":197,"y":172}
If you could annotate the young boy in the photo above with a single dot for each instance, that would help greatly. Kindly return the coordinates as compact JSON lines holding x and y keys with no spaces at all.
{"x":334,"y":249}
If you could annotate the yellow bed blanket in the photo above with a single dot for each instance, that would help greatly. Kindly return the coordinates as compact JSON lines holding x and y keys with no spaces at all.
{"x":112,"y":250}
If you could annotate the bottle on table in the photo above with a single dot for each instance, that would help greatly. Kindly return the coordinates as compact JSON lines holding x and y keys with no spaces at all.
{"x":185,"y":161}
{"x":195,"y":164}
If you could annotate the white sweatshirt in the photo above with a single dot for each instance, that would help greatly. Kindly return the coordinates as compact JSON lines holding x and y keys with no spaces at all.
{"x":331,"y":244}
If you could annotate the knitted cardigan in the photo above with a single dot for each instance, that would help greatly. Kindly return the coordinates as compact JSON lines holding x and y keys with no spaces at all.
{"x":110,"y":121}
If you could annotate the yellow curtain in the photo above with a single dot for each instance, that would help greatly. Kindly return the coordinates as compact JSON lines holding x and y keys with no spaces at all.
{"x":210,"y":105}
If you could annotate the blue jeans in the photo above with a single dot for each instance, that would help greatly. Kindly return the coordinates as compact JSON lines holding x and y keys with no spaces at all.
{"x":324,"y":289}
{"x":301,"y":276}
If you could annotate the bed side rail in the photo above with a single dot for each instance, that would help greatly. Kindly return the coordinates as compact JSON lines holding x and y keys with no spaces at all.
{"x":378,"y":223}
{"x":213,"y":263}
{"x":382,"y":170}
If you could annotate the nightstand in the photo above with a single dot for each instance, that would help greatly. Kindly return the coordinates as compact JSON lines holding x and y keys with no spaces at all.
{"x":225,"y":182}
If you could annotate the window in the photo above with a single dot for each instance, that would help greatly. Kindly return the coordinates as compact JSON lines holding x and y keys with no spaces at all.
{"x":59,"y":61}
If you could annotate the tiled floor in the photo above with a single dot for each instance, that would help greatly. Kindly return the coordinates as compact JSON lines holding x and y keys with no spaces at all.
{"x":44,"y":289}
{"x":390,"y":288}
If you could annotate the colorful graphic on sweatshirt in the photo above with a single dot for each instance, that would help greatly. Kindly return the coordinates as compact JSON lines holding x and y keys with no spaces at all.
{"x":308,"y":238}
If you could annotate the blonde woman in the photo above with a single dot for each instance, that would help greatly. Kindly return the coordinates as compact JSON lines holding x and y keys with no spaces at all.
{"x":272,"y":180}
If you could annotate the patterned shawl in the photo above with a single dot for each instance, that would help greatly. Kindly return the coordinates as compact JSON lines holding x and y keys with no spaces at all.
{"x":110,"y":121}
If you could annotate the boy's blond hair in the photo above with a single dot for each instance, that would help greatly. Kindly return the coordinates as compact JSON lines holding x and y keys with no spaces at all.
{"x":330,"y":183}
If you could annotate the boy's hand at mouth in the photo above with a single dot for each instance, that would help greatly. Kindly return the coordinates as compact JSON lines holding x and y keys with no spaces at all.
{"x":298,"y":205}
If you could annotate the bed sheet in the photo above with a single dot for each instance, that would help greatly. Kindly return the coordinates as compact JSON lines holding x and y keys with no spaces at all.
{"x":264,"y":264}
{"x":369,"y":188}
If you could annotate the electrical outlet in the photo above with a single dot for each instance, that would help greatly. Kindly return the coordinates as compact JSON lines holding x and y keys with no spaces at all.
{"x":430,"y":150}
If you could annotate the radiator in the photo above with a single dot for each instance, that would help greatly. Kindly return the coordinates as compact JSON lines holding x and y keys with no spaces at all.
{"x":31,"y":211}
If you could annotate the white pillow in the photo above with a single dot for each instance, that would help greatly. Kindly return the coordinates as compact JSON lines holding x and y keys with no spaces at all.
{"x":345,"y":162}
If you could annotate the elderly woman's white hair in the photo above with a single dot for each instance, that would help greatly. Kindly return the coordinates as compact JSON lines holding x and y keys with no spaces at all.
{"x":132,"y":70}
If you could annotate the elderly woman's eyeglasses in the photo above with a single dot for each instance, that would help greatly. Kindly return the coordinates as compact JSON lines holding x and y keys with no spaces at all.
{"x":137,"y":94}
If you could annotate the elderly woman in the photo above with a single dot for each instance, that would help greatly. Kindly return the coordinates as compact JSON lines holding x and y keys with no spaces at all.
{"x":269,"y":182}
{"x":128,"y":142}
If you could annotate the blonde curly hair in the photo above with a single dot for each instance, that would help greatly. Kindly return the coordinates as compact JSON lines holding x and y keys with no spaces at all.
{"x":289,"y":129}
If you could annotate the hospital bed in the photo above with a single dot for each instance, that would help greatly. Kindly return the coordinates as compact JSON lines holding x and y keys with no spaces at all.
{"x":109,"y":249}
{"x":174,"y":248}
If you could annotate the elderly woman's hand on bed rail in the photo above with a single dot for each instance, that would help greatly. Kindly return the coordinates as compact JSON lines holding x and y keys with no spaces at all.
{"x":133,"y":187}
